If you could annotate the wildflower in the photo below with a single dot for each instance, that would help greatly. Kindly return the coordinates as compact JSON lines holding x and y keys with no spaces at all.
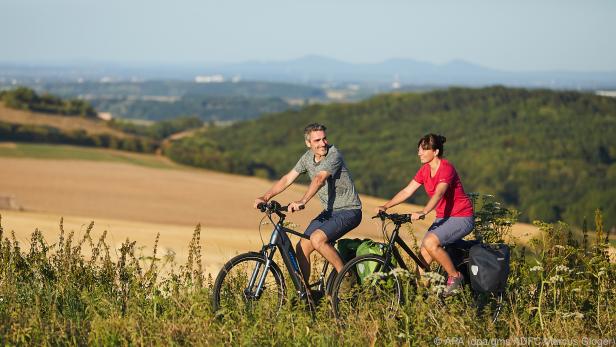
{"x":400,"y":272}
{"x":555,"y":279}
{"x":434,"y":277}
{"x":576,"y":315}
{"x":536,"y":268}
{"x":562,"y":268}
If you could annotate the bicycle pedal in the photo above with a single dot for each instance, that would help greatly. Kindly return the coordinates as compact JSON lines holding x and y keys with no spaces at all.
{"x":316,"y":295}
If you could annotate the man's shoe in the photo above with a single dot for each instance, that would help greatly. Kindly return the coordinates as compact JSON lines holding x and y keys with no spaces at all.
{"x":454,"y":285}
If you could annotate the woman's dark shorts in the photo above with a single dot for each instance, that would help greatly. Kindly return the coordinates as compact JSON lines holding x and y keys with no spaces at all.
{"x":335,"y":223}
{"x":451,"y":229}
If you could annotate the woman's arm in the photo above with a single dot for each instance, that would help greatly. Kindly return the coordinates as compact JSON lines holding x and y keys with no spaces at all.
{"x":402,"y":195}
{"x":440,"y":190}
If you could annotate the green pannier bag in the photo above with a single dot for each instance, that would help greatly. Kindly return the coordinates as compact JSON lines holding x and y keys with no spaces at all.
{"x":366,"y":268}
{"x":348,"y":248}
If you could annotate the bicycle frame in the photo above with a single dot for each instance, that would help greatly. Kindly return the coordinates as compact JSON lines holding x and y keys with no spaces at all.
{"x":279,"y":240}
{"x":393,"y":250}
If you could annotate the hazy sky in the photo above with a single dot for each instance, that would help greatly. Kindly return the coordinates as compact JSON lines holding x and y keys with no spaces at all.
{"x":507,"y":35}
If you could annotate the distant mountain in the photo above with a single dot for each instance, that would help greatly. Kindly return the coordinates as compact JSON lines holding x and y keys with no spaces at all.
{"x":412,"y":72}
{"x":316,"y":70}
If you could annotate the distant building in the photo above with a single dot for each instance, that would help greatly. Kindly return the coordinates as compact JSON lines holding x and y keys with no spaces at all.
{"x":210,"y":79}
{"x":105,"y":116}
{"x":610,"y":93}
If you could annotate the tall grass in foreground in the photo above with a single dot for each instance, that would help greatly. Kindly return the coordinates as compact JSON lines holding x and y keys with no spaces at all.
{"x":53,"y":294}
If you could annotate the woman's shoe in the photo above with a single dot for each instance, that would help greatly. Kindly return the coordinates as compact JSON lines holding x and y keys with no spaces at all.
{"x":454,"y":284}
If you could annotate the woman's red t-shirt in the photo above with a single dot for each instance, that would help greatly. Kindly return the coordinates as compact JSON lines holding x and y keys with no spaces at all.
{"x":454,"y":203}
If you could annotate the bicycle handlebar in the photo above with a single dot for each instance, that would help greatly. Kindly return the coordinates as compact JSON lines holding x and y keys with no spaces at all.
{"x":274,"y":206}
{"x":395,"y":217}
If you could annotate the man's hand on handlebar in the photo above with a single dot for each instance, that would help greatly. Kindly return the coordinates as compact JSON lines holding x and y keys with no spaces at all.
{"x":380,"y":209}
{"x":259,"y":200}
{"x":295,"y":206}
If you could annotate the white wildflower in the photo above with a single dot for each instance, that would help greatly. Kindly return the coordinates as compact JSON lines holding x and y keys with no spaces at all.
{"x":555,"y":279}
{"x":536,"y":268}
{"x":576,"y":315}
{"x":434,"y":277}
{"x":562,"y":268}
{"x":400,"y":272}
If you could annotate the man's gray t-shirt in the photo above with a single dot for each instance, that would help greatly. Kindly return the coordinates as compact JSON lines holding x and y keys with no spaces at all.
{"x":338,"y":193}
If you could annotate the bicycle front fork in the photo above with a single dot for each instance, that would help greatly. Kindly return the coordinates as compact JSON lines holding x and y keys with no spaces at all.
{"x":258,"y":277}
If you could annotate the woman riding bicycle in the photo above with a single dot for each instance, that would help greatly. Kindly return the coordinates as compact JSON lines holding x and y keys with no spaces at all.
{"x":454,"y":210}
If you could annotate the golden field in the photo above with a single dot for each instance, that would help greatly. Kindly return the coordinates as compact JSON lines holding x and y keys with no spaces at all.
{"x":137,"y":202}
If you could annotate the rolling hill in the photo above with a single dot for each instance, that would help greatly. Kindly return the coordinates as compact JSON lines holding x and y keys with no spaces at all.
{"x":550,"y":154}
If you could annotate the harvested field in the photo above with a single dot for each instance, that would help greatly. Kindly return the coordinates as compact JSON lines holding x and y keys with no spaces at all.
{"x":137,"y":202}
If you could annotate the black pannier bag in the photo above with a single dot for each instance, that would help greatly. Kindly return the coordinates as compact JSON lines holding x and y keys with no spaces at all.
{"x":489,"y":267}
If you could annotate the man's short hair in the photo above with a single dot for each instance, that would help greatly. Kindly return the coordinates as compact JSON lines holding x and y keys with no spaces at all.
{"x":313,"y":127}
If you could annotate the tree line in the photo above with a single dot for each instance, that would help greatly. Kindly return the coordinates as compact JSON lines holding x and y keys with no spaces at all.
{"x":23,"y":98}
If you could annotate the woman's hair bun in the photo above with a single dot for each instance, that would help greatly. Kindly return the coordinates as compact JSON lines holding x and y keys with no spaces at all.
{"x":442,"y":138}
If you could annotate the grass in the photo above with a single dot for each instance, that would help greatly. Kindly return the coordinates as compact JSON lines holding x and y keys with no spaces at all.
{"x":51,"y":294}
{"x":66,"y":152}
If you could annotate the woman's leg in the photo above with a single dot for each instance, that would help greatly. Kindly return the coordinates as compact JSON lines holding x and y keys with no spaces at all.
{"x":431,"y":247}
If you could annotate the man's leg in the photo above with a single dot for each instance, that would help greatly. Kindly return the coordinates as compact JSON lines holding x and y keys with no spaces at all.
{"x":304,"y":249}
{"x":319,"y":242}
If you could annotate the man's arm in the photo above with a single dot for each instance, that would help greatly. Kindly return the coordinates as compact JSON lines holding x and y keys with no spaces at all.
{"x":440,"y":190}
{"x":317,"y":182}
{"x":278,"y":187}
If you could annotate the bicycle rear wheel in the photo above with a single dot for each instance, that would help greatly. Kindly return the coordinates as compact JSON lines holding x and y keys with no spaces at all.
{"x":366,"y":283}
{"x":236,"y":285}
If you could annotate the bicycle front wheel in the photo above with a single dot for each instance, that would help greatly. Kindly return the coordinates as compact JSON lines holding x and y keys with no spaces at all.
{"x":237,"y":285}
{"x":366,"y":284}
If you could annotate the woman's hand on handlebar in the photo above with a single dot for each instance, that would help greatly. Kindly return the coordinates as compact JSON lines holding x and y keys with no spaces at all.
{"x":295,"y":206}
{"x":418,"y":215}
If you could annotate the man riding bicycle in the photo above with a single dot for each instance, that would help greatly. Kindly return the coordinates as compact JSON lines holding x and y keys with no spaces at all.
{"x":332,"y":182}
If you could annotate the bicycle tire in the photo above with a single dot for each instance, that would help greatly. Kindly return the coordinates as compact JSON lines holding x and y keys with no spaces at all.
{"x":230,"y":288}
{"x":329,"y":282}
{"x":383,"y":291}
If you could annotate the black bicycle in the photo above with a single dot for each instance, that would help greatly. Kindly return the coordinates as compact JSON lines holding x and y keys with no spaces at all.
{"x":253,"y":280}
{"x":373,"y":279}
{"x":380,"y":283}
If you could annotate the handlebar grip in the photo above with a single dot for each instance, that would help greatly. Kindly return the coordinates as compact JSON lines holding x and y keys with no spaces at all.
{"x":261,"y":206}
{"x":286,"y":208}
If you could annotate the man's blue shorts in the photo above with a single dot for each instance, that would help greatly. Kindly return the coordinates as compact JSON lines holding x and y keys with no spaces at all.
{"x":335,"y":224}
